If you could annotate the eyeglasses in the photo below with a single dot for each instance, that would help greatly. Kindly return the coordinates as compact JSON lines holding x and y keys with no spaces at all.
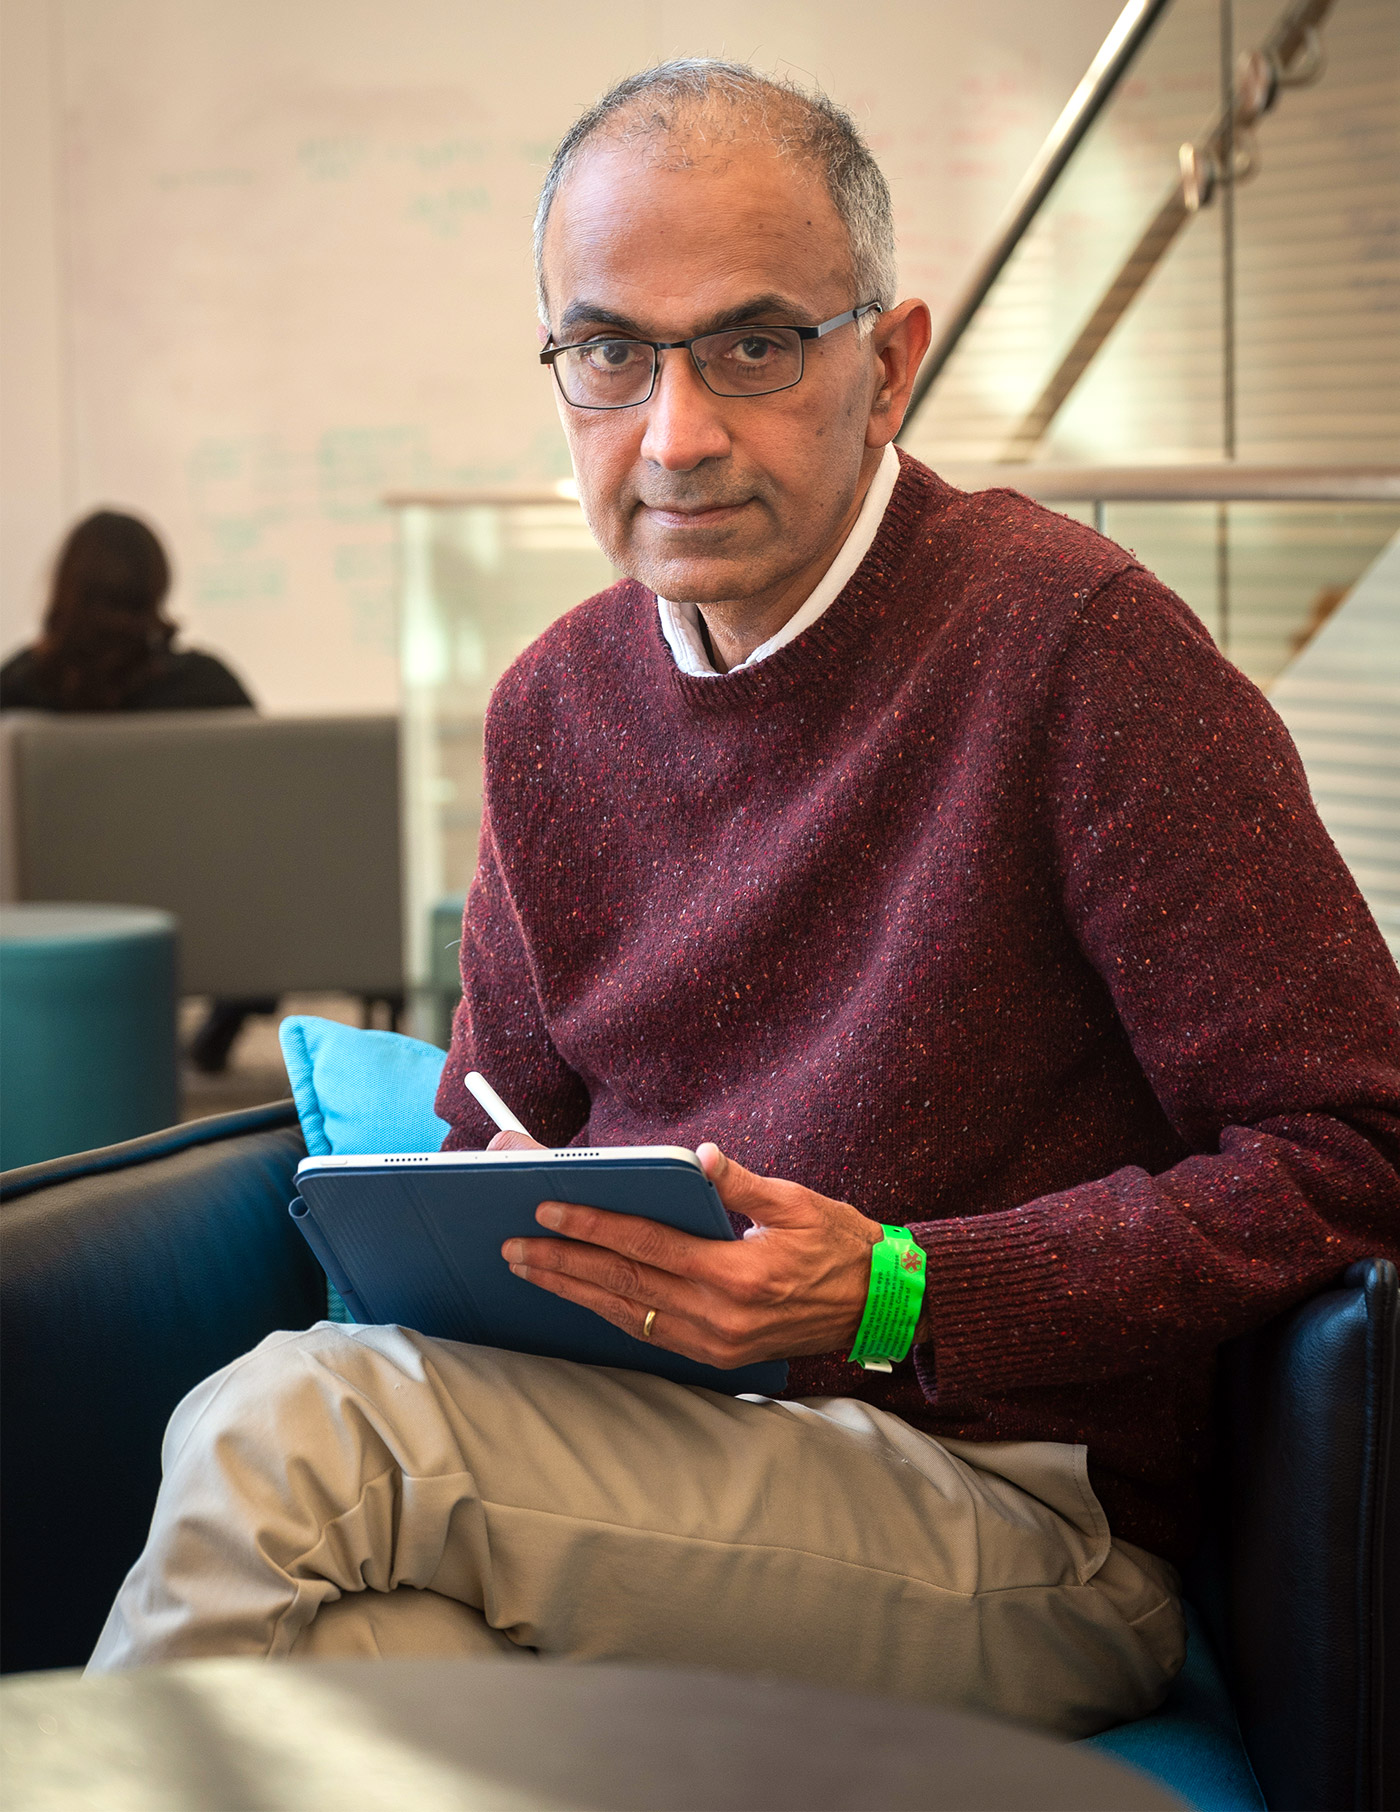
{"x":740,"y":361}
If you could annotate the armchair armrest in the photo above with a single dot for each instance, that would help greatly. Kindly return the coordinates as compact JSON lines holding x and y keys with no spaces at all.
{"x":129,"y":1274}
{"x":1309,"y":1620}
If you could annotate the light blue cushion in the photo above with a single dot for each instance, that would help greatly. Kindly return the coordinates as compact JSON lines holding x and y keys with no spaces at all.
{"x":361,"y":1092}
{"x":1191,"y":1743}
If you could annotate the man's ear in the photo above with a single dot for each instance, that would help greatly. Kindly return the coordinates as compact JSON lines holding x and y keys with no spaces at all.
{"x":542,"y":333}
{"x":900,"y":338}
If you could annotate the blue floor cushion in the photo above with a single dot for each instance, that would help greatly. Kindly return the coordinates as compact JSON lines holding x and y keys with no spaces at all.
{"x":1191,"y":1743}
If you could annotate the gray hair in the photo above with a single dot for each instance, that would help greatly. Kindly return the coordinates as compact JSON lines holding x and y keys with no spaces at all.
{"x":808,"y":126}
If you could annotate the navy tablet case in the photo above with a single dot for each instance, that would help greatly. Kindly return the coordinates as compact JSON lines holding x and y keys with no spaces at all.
{"x":419,"y":1245}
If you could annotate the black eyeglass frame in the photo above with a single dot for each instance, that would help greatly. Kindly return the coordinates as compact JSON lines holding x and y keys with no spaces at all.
{"x":819,"y":332}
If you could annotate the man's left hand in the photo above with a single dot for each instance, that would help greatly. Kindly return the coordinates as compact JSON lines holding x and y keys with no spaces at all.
{"x":795,"y":1283}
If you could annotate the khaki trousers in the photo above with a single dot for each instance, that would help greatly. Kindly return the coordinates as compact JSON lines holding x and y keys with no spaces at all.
{"x":365,"y":1490}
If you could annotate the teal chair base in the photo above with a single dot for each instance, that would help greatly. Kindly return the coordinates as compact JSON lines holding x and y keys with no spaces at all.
{"x":88,"y":1052}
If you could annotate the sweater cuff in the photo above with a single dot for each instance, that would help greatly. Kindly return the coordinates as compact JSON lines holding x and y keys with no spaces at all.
{"x":992,"y":1289}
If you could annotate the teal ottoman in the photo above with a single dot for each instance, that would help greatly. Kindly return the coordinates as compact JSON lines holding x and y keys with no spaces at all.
{"x":87,"y":1028}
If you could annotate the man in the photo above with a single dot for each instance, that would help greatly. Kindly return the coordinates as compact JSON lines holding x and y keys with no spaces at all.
{"x":914,"y":857}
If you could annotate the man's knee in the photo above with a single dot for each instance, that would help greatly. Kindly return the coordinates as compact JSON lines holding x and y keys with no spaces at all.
{"x":280,"y":1381}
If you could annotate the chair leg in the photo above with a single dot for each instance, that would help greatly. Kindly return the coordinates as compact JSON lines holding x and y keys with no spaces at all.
{"x":393,"y":1005}
{"x":210,"y":1047}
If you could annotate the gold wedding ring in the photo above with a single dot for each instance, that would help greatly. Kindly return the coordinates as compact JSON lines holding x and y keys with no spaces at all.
{"x":646,"y":1325}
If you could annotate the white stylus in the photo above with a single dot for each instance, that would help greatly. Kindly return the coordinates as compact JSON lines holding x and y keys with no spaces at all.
{"x":492,"y":1103}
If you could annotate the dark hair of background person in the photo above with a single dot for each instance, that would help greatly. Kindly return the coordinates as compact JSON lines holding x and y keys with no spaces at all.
{"x":104,"y":632}
{"x":106,"y":641}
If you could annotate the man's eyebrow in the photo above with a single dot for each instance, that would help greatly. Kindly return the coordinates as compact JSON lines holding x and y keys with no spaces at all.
{"x":577,"y":313}
{"x":776,"y":310}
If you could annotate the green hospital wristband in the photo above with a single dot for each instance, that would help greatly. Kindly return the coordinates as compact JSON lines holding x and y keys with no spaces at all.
{"x":896,"y":1295}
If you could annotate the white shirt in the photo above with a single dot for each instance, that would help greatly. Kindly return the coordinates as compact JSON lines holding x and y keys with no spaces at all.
{"x":680,"y":623}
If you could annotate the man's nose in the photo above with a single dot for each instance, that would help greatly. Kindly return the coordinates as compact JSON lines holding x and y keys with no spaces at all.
{"x":685,"y":425}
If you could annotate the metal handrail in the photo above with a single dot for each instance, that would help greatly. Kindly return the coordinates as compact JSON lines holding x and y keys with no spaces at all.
{"x":1222,"y":482}
{"x":1205,"y":165}
{"x":562,"y":490}
{"x":1212,"y":483}
{"x":1081,"y":110}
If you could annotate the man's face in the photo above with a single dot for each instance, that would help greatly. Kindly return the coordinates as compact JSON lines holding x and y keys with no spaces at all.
{"x":705,"y":498}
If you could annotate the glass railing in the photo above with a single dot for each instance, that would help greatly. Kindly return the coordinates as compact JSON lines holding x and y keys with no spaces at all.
{"x":1213,"y":273}
{"x":1068,"y":260}
{"x":1191,"y":342}
{"x":1341,"y":700}
{"x":482,"y":574}
{"x":1263,"y":554}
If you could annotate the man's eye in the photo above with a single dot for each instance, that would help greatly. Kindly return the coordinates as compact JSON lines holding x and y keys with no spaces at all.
{"x":611,"y":355}
{"x":753,"y":349}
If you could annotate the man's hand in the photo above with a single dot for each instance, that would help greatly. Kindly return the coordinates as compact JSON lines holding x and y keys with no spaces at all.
{"x":795,"y":1283}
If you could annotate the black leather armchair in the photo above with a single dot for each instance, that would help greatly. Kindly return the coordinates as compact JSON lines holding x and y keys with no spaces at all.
{"x":1293,"y":1582}
{"x":131,"y":1273}
{"x":128,"y":1275}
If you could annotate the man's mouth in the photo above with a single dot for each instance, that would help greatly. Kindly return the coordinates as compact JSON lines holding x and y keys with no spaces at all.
{"x":693,"y":515}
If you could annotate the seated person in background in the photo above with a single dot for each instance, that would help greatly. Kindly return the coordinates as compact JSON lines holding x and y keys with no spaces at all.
{"x":919,"y":848}
{"x":106,"y":646}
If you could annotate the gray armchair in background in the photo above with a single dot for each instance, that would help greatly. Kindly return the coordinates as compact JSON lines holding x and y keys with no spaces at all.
{"x":274,"y":841}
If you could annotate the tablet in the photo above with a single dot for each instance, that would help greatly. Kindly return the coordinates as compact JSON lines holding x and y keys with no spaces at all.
{"x":415,"y":1239}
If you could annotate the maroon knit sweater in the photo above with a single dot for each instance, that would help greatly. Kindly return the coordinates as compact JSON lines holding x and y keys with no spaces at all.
{"x":994,"y":904}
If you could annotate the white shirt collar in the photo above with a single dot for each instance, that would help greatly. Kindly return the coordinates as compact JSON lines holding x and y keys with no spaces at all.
{"x":680,"y":623}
